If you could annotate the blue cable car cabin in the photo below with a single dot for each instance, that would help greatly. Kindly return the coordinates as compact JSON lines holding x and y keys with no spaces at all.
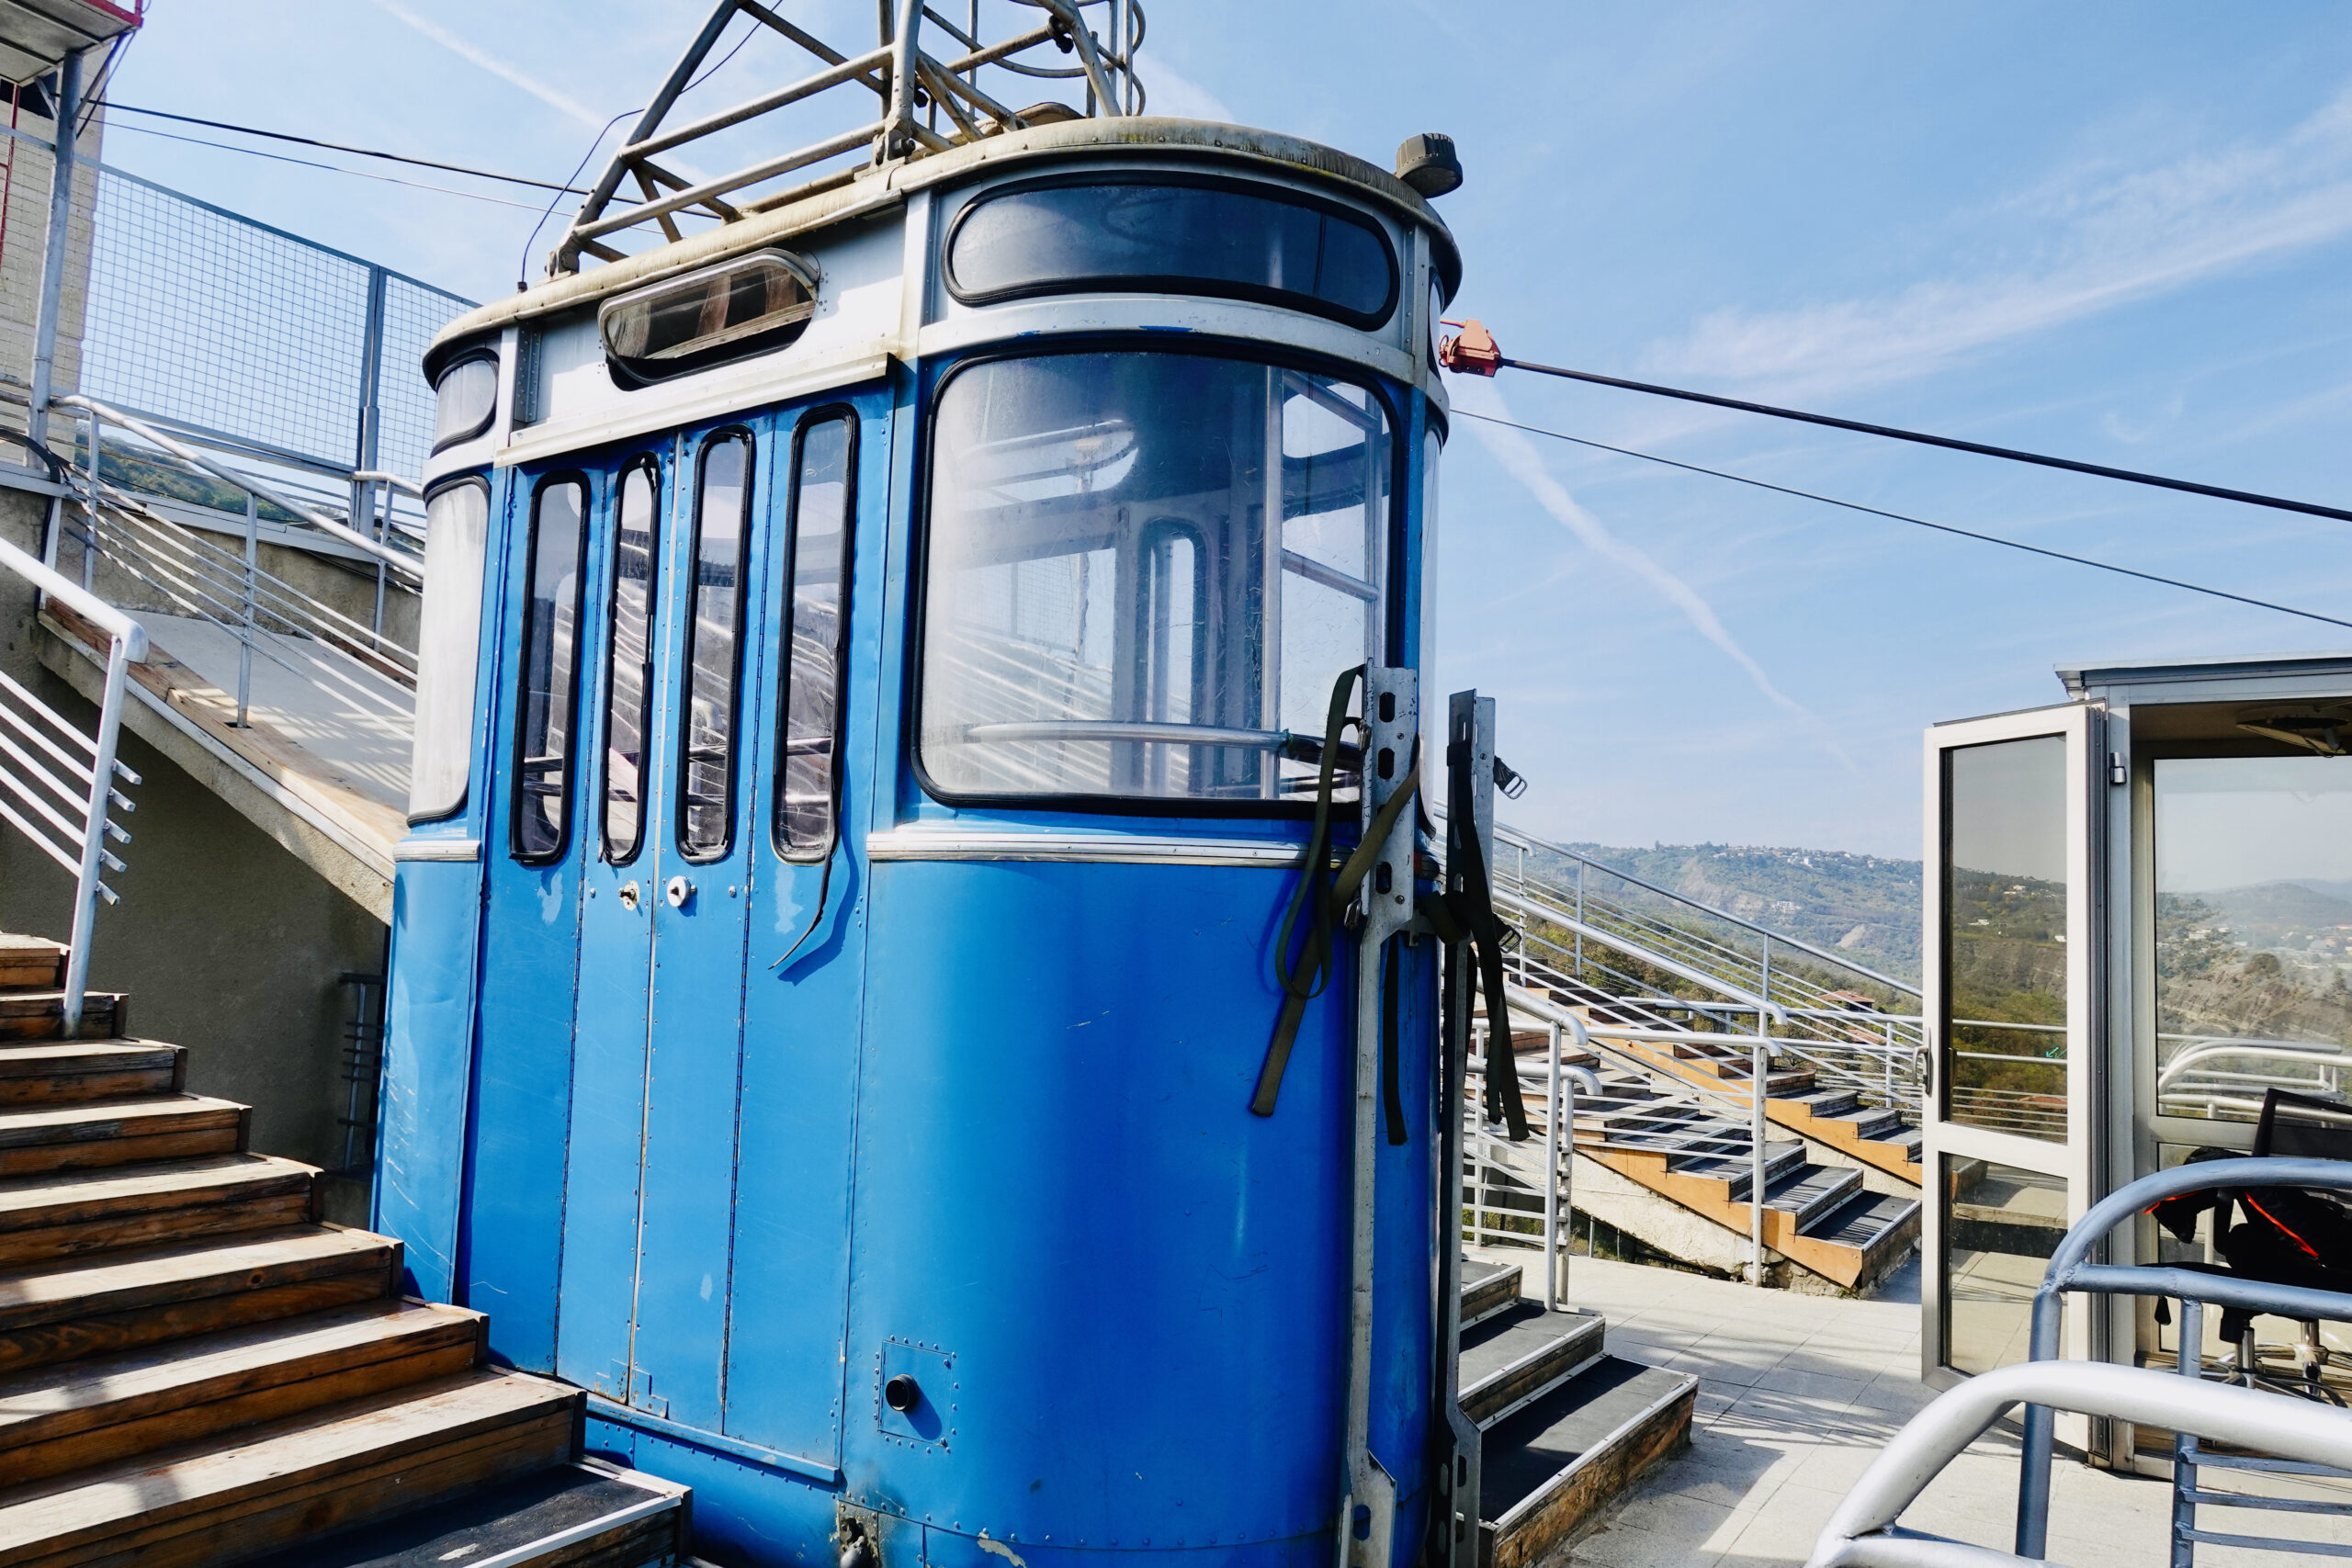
{"x":835,"y":945}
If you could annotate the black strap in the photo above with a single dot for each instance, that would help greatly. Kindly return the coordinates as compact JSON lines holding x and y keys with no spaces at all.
{"x":1302,"y":974}
{"x":1305,"y":974}
{"x":1473,"y":907}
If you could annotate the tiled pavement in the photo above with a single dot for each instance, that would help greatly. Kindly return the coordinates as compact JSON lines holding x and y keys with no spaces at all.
{"x":1796,"y":1397}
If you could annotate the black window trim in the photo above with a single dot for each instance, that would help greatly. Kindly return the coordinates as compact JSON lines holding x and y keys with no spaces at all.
{"x":515,"y":793}
{"x":1179,"y":283}
{"x":648,"y":461}
{"x":1247,"y":350}
{"x":823,"y":414}
{"x":486,"y":351}
{"x":733,"y":432}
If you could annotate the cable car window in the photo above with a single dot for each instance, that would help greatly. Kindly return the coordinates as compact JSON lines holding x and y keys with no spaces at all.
{"x":742,"y":307}
{"x":465,"y":396}
{"x":628,"y":660}
{"x":549,"y":698}
{"x":1172,"y":234}
{"x":456,"y":531}
{"x":1107,"y":612}
{"x":714,"y":636}
{"x":815,"y":637}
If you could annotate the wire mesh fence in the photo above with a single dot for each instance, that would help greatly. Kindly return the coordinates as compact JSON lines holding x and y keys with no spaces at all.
{"x":275,"y":346}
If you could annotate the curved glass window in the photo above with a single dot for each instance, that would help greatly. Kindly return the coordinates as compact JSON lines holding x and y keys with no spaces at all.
{"x":1170,"y":234}
{"x":1107,"y":610}
{"x":545,"y":735}
{"x":628,"y":660}
{"x":742,"y":307}
{"x":464,"y":398}
{"x":815,"y":635}
{"x":714,"y":635}
{"x":448,"y":642}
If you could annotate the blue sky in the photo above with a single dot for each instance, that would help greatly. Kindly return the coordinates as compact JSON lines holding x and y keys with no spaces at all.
{"x":2120,"y":232}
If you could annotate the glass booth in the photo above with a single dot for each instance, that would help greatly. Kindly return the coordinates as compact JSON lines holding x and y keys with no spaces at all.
{"x":2137,"y":923}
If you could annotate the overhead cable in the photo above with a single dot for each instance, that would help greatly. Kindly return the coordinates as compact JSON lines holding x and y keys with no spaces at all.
{"x":331,"y":168}
{"x":1475,"y":353}
{"x":338,"y":147}
{"x":1915,"y":522}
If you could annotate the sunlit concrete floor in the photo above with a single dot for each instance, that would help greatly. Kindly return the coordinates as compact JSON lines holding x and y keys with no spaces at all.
{"x":1796,"y":1397}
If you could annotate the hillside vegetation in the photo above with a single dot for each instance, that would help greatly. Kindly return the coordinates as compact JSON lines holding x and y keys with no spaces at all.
{"x":1859,"y":904}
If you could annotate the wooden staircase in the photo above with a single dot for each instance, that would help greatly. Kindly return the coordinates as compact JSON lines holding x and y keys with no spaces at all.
{"x":1831,"y":1228}
{"x":1873,"y":1137}
{"x":196,"y":1371}
{"x":1566,"y":1429}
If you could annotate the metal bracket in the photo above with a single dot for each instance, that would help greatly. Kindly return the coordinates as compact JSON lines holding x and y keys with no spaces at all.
{"x":1384,"y":903}
{"x":1460,"y":1476}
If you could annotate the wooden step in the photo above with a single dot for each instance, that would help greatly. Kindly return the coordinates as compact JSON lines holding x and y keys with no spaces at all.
{"x":73,"y":1214}
{"x":40,"y":1015}
{"x":61,"y":1072}
{"x":79,"y":1137}
{"x":1487,"y":1288}
{"x":1557,"y":1465}
{"x":292,"y":1480}
{"x":1517,"y":1357}
{"x":587,"y":1515}
{"x":119,"y":1301}
{"x":57,"y":1419}
{"x":30,"y":964}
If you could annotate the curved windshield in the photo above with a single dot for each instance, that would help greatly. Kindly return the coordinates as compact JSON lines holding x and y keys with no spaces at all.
{"x":1107,"y":611}
{"x":1168,"y":234}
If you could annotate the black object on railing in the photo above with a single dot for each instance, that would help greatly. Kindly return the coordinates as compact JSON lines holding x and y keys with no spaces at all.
{"x":2071,"y":1270}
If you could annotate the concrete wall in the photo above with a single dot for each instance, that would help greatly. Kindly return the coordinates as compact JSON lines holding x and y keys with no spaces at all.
{"x":226,"y":943}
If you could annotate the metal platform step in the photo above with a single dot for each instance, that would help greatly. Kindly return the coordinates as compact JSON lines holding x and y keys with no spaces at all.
{"x":1863,"y":1219}
{"x":583,"y":1516}
{"x":1487,"y":1288}
{"x":1553,"y":1467}
{"x":1522,"y":1353}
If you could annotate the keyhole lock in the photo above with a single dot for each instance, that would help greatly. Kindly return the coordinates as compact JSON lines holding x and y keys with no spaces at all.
{"x":680,"y":892}
{"x":628,"y":895}
{"x":902,"y":1393}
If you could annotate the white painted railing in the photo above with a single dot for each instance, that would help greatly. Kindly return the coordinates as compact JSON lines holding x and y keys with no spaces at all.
{"x":57,"y":785}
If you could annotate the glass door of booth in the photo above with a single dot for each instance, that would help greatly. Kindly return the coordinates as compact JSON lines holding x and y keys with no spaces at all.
{"x":2009,"y":962}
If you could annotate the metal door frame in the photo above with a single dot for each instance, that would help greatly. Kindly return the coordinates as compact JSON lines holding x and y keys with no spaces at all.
{"x":2076,"y":1161}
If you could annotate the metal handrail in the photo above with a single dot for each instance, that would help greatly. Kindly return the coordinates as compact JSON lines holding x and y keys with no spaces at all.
{"x":1759,"y":1046}
{"x":127,"y":644}
{"x":2071,"y":1270}
{"x":2273,"y":1050}
{"x":252,"y":487}
{"x":1507,"y":834}
{"x":1862,"y":1531}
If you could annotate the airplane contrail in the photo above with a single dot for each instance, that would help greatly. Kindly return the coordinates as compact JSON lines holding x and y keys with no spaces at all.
{"x":1520,"y":461}
{"x":492,"y":63}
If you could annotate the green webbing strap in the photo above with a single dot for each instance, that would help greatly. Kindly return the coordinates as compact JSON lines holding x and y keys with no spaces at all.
{"x":1305,"y":974}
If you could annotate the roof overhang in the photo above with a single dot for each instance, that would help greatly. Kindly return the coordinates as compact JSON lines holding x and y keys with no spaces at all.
{"x":37,"y":35}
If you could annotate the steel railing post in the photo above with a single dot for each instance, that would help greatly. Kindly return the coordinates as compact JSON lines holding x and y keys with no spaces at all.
{"x":90,"y":513}
{"x":93,"y":838}
{"x":1552,"y":1177}
{"x":1760,"y":1063}
{"x":68,"y":109}
{"x":245,"y":631}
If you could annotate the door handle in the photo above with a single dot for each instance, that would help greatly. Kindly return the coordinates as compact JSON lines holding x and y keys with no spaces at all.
{"x":628,"y":895}
{"x":680,"y":892}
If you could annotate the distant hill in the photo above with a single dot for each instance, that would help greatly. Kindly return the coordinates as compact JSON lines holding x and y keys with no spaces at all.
{"x":1859,"y":904}
{"x":2269,"y":913}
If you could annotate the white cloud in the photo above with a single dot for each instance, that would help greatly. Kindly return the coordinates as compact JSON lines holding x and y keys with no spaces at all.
{"x":495,"y":66}
{"x":1167,"y":93}
{"x":1523,"y":463}
{"x":2104,"y":239}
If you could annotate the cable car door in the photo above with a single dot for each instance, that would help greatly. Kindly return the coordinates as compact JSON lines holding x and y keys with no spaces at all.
{"x":2010,"y":967}
{"x":621,"y":821}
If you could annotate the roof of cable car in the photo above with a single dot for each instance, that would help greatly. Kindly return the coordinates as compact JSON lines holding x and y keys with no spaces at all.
{"x":1230,"y":145}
